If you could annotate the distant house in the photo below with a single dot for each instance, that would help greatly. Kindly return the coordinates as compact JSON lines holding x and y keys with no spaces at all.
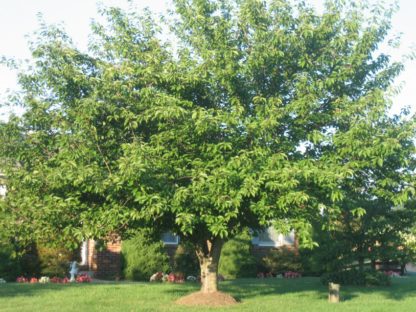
{"x":107,"y":262}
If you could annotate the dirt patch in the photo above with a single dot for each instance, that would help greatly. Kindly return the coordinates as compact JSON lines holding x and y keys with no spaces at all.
{"x":215,"y":299}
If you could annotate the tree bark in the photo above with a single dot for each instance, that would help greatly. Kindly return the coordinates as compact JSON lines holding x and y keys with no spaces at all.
{"x":209,"y":257}
{"x":373,"y":264}
{"x":402,"y":268}
{"x":361,"y":264}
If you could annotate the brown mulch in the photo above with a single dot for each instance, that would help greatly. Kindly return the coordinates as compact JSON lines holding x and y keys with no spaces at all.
{"x":214,"y":299}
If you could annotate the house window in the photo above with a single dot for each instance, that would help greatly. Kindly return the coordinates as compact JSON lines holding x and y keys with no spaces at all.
{"x":271,"y":238}
{"x":268,"y":237}
{"x":169,"y":238}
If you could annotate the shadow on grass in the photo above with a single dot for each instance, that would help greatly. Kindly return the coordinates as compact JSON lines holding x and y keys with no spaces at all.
{"x":245,"y":289}
{"x":400,"y":289}
{"x":241,"y":289}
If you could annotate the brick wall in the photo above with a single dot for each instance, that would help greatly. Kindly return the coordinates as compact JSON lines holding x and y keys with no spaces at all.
{"x":105,"y":263}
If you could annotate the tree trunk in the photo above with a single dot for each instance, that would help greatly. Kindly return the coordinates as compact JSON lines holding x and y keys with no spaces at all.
{"x":361,"y":264}
{"x":209,"y":271}
{"x":209,"y":257}
{"x":402,"y":268}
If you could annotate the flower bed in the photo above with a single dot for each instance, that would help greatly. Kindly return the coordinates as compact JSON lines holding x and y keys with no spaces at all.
{"x":176,"y":278}
{"x":288,"y":274}
{"x":21,"y":279}
{"x":291,"y":274}
{"x":82,"y":278}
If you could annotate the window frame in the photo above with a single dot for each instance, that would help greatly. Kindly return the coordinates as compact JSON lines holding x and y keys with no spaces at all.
{"x":171,"y":243}
{"x":280,"y":241}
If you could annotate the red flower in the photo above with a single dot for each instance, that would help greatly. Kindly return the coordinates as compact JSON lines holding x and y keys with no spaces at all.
{"x":83,"y":278}
{"x":171,"y":278}
{"x":56,"y":280}
{"x":291,"y":274}
{"x":33,"y":280}
{"x":21,"y":279}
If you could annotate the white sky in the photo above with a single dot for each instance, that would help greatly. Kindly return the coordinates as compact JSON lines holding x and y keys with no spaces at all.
{"x":19,"y":18}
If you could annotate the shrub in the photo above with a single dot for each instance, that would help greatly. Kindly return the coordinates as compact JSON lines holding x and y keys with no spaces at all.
{"x":282,"y":260}
{"x":185,"y":260}
{"x":55,"y":261}
{"x":236,"y":260}
{"x":312,"y":265}
{"x":9,"y":266}
{"x":357,"y":278}
{"x":143,"y":256}
{"x":29,"y":263}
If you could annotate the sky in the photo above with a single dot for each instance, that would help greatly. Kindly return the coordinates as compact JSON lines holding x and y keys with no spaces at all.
{"x":18,"y":19}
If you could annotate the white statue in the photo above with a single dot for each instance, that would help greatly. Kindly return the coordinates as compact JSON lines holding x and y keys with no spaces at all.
{"x":73,"y":270}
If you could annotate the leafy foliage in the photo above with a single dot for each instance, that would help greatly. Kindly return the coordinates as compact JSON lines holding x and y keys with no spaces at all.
{"x":379,"y":235}
{"x":55,"y":261}
{"x":28,"y":261}
{"x":186,"y":261}
{"x":142,"y":257}
{"x":9,"y":266}
{"x":236,"y":259}
{"x":281,"y":260}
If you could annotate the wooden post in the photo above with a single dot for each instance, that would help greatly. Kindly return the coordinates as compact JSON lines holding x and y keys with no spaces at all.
{"x":333,"y":295}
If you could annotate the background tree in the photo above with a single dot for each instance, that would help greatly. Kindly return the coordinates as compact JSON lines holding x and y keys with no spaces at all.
{"x":374,"y":219}
{"x":250,"y":112}
{"x":378,"y":236}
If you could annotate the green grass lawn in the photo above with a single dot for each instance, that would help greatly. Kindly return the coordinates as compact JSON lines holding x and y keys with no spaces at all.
{"x":305,"y":294}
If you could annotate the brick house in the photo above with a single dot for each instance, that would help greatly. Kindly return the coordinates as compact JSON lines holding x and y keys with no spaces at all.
{"x":107,"y":263}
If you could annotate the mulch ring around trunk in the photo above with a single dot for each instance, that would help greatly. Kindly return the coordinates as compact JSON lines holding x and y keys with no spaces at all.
{"x":214,"y":299}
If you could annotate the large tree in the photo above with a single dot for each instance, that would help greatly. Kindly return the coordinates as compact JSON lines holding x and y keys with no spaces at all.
{"x":247,"y":113}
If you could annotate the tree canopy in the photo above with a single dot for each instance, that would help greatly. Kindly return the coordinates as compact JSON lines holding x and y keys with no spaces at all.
{"x":248,"y":113}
